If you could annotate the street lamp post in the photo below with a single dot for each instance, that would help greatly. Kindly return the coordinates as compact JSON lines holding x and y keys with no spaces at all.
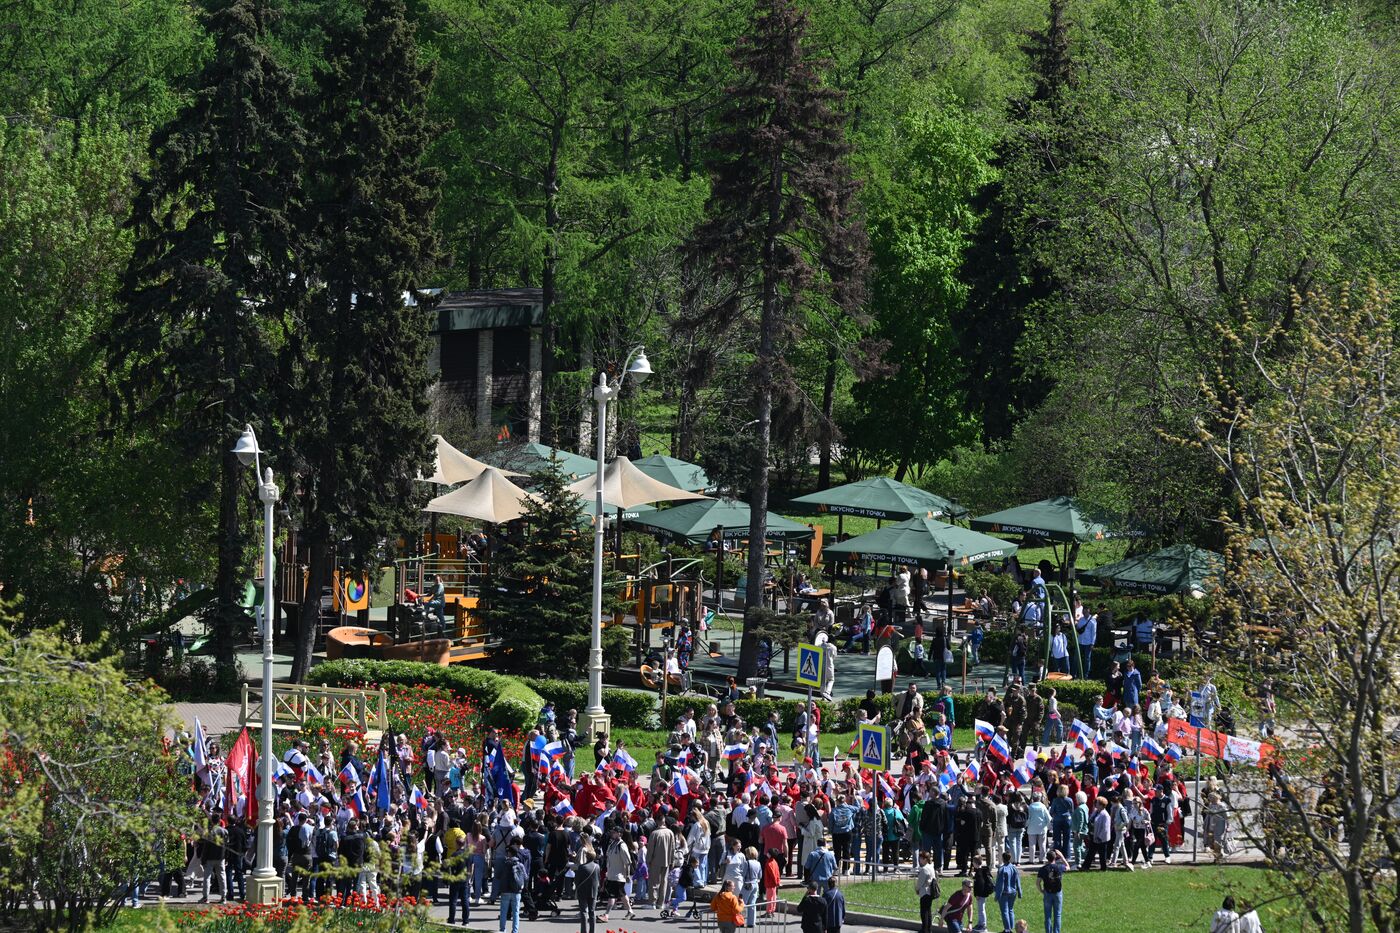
{"x":595,"y":717}
{"x":267,"y":884}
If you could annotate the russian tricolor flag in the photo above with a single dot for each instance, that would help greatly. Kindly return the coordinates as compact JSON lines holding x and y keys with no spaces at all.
{"x":1115,"y":750}
{"x":985,"y":732}
{"x":418,"y":798}
{"x":1173,"y":753}
{"x":1134,"y":768}
{"x":735,"y":752}
{"x":624,"y":801}
{"x":1151,"y":750}
{"x":554,"y":749}
{"x":564,"y":808}
{"x":620,"y":757}
{"x":679,"y":787}
{"x":1021,"y":774}
{"x":283,"y":769}
{"x":973,"y":772}
{"x":314,"y":773}
{"x":348,"y":774}
{"x":999,"y":750}
{"x":948,"y":777}
{"x":355,"y":803}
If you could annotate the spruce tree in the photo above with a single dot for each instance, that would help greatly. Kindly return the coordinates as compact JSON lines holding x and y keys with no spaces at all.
{"x":541,"y":605}
{"x":1006,"y":280}
{"x":358,"y":360}
{"x":780,"y":228}
{"x":211,"y":273}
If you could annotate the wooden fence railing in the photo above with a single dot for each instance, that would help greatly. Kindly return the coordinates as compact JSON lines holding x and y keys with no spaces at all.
{"x":293,"y":705}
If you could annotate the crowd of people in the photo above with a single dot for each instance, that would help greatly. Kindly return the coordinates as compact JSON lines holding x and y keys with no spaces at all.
{"x":439,"y":821}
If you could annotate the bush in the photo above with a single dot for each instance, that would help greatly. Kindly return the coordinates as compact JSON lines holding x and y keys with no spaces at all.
{"x":1001,"y":586}
{"x":630,"y":709}
{"x":506,"y":702}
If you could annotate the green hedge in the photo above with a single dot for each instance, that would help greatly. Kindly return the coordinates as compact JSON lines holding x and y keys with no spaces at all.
{"x":630,"y":709}
{"x":507,"y":702}
{"x":841,"y":716}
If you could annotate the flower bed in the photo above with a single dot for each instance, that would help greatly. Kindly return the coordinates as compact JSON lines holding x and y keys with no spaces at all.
{"x":327,"y":913}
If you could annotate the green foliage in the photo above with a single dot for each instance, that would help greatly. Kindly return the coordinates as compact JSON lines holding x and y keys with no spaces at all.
{"x":506,"y":701}
{"x":1000,"y":586}
{"x":543,"y":601}
{"x":921,"y":218}
{"x":630,"y":709}
{"x":80,"y":758}
{"x":88,"y":62}
{"x":358,"y":401}
{"x":214,"y":226}
{"x":70,"y":543}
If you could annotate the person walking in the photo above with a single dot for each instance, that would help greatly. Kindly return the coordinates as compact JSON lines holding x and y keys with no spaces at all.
{"x":1050,"y":882}
{"x":954,"y":913}
{"x":661,"y":855}
{"x":1037,"y":822}
{"x":587,"y":876}
{"x":926,"y":887}
{"x":619,"y":864}
{"x":729,"y":910}
{"x":812,"y":911}
{"x":820,"y":865}
{"x":516,"y":876}
{"x":1100,"y":834}
{"x":983,"y":886}
{"x":835,"y":900}
{"x":1007,"y":890}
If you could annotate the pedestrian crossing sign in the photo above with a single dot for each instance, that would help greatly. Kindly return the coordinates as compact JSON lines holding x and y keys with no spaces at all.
{"x":811,"y":664}
{"x":874,"y":747}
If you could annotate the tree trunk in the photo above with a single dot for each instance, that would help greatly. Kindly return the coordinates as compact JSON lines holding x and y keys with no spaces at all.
{"x":227,"y":611}
{"x":828,"y":428}
{"x":763,"y":387}
{"x":549,"y":287}
{"x":317,"y":578}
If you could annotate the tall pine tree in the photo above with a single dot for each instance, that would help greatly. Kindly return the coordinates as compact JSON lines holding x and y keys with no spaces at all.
{"x":358,"y":358}
{"x":210,"y":276}
{"x":542,"y":603}
{"x":780,"y":228}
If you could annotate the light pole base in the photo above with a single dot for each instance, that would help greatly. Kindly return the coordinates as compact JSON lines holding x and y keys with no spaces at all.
{"x":591,"y":723}
{"x":265,"y":889}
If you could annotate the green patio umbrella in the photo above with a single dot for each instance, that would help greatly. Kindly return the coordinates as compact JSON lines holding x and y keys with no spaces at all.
{"x":881,"y":498}
{"x":674,"y":472}
{"x":532,"y":458}
{"x":1180,"y":568}
{"x":696,"y":521}
{"x":635,"y":512}
{"x":923,"y":541}
{"x":1058,"y":519}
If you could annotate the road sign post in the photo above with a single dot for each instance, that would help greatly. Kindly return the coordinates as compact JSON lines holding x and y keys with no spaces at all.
{"x":811,"y":670}
{"x":873,"y":743}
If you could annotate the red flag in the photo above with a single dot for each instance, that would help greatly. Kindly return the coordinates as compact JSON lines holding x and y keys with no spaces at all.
{"x":242,"y":765}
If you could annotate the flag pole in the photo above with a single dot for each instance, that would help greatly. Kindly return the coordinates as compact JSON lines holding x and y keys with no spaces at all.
{"x":1196,"y":811}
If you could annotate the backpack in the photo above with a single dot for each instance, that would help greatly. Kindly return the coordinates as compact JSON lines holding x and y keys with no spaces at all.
{"x":325,"y":845}
{"x":518,"y":875}
{"x":294,"y":842}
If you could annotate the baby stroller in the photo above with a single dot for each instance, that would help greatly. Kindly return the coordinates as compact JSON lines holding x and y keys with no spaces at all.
{"x":540,"y":897}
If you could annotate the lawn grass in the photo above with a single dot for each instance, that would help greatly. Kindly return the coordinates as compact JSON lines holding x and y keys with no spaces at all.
{"x":643,"y":744}
{"x":1164,"y":898}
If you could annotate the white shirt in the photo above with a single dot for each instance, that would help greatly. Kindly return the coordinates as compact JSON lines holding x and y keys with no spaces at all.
{"x":1059,"y":648}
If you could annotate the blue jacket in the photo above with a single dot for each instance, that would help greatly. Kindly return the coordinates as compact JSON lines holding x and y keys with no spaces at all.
{"x":835,"y":908}
{"x":1008,"y":882}
{"x":821,"y":865}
